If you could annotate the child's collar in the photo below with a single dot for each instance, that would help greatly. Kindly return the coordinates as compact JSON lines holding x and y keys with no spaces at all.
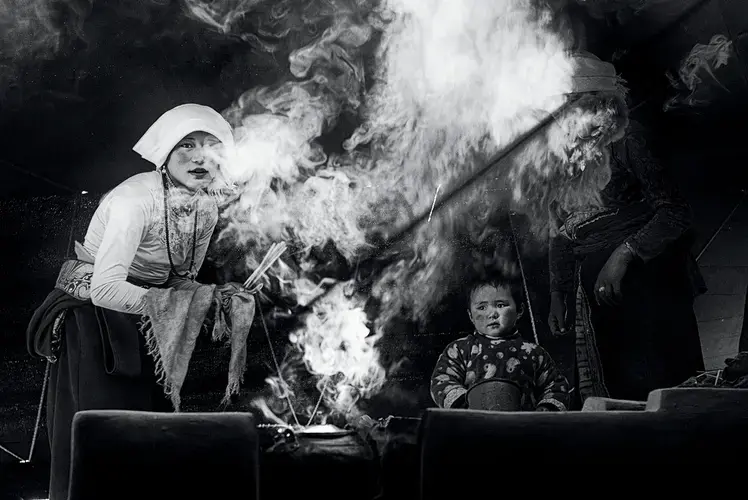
{"x":511,"y":336}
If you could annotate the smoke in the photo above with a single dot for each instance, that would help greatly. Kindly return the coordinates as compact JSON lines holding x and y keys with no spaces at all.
{"x":34,"y":30}
{"x":38,"y":28}
{"x":696,"y":78}
{"x":451,"y":85}
{"x":387,"y":105}
{"x":222,"y":15}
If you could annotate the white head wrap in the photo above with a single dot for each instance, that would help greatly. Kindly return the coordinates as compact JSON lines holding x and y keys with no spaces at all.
{"x":175,"y":124}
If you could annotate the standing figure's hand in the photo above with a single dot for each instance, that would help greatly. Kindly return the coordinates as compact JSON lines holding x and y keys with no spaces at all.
{"x":608,"y":284}
{"x":557,"y":315}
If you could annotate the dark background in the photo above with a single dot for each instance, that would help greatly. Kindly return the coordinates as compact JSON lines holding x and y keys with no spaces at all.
{"x":68,"y":120}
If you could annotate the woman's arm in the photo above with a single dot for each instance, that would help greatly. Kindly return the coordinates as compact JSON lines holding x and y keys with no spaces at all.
{"x":126,"y":224}
{"x":672,"y":213}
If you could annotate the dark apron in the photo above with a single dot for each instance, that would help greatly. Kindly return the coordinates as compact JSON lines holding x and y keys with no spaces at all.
{"x":83,"y":379}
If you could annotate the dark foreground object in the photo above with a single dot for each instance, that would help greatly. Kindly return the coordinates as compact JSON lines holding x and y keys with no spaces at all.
{"x":334,"y":468}
{"x":124,"y":455}
{"x":681,"y":430}
{"x":454,"y":453}
{"x":137,"y":455}
{"x":103,"y":365}
{"x":21,"y":481}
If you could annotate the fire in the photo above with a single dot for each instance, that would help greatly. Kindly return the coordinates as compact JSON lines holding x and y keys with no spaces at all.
{"x":434,"y":88}
{"x":338,"y":349}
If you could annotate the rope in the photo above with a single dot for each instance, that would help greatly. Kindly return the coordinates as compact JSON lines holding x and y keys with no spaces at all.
{"x":40,"y":177}
{"x":277,"y":365}
{"x":716,"y":233}
{"x":6,"y":450}
{"x":38,"y":420}
{"x":319,"y":401}
{"x":524,"y":281}
{"x":39,"y":411}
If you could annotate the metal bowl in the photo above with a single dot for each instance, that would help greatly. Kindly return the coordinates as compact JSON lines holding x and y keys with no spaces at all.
{"x":322,"y":432}
{"x":495,"y":395}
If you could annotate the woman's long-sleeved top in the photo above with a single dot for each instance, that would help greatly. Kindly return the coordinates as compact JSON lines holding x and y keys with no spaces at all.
{"x":475,"y":358}
{"x":127,"y":239}
{"x":636,"y":179}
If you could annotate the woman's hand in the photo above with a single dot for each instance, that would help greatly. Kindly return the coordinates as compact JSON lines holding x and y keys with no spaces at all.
{"x":229,"y":289}
{"x":557,"y":316}
{"x":226,"y":291}
{"x":608,"y":284}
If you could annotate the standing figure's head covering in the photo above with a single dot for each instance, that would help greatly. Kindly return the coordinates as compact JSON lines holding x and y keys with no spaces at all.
{"x":600,"y":87}
{"x":570,"y":161}
{"x":175,"y":124}
{"x":593,"y":75}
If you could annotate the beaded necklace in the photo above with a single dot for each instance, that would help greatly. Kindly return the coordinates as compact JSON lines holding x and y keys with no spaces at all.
{"x":166,"y":182}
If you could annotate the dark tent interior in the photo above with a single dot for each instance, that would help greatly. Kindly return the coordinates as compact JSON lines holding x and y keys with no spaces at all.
{"x":81,"y":80}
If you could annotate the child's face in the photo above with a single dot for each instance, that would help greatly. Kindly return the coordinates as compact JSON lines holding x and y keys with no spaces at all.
{"x":493,"y":311}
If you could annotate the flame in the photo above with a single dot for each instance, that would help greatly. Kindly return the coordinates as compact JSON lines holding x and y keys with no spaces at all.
{"x":416,"y":94}
{"x":339,"y":351}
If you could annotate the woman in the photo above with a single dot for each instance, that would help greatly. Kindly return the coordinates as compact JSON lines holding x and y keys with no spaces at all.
{"x":150,"y":232}
{"x":628,"y":268}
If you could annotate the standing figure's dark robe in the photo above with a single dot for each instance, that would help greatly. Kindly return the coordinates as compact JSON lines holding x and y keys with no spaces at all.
{"x":651,"y":339}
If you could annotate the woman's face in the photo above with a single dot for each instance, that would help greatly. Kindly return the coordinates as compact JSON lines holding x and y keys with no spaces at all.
{"x":193,"y":163}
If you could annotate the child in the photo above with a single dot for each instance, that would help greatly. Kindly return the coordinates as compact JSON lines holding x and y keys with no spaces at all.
{"x":496,"y":350}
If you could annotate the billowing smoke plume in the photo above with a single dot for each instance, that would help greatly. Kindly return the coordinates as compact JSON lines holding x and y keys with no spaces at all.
{"x":425,"y":92}
{"x":696,"y":80}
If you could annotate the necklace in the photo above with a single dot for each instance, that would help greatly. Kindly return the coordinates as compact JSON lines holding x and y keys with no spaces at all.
{"x":166,"y":230}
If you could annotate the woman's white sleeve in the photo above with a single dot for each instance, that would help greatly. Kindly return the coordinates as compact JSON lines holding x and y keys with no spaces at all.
{"x":125,"y":229}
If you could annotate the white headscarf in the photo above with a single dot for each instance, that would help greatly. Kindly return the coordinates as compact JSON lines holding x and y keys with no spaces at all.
{"x":175,"y":124}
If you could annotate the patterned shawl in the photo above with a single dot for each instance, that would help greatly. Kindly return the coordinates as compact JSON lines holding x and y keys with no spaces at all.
{"x":172,"y":322}
{"x":174,"y":319}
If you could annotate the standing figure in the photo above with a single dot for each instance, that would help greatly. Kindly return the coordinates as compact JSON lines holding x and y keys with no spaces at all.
{"x":150,"y":233}
{"x":627,"y":267}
